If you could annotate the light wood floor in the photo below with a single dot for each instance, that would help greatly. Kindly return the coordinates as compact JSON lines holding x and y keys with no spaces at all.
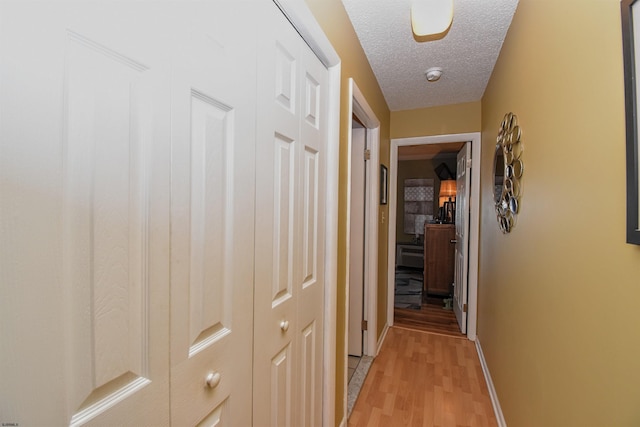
{"x":431,"y":317}
{"x":424,"y":379}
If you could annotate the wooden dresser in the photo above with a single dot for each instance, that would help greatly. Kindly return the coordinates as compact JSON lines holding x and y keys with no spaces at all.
{"x":439,"y":247}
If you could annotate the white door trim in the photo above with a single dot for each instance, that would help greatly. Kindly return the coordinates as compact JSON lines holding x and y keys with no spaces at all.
{"x":359,"y":107}
{"x":298,"y":13}
{"x":474,"y":224}
{"x":356,"y":238}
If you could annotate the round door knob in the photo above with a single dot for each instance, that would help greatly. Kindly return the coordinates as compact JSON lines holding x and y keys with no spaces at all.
{"x":213,"y":379}
{"x":284,"y":325}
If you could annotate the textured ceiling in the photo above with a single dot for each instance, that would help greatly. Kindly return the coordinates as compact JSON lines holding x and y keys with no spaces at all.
{"x":466,"y":54}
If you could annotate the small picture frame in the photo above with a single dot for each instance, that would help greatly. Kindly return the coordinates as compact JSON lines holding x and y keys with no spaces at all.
{"x":384,"y":184}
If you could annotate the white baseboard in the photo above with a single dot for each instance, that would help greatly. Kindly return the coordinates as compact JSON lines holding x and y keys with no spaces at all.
{"x":382,"y":337}
{"x":492,"y":391}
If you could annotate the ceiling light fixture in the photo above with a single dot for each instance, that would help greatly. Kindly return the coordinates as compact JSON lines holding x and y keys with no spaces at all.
{"x":433,"y":74}
{"x":431,"y":17}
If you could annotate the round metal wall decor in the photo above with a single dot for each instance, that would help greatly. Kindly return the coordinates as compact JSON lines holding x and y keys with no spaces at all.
{"x":508,"y":168}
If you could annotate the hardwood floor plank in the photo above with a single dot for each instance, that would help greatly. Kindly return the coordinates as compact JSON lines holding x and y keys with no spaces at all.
{"x":431,"y":317}
{"x":424,"y":379}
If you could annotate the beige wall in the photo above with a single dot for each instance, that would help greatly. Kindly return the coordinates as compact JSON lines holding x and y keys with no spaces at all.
{"x":558,"y":298}
{"x":334,"y":21}
{"x":443,"y":120}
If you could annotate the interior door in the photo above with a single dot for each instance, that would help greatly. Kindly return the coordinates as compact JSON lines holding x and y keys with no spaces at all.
{"x":212,"y":214}
{"x":84,"y":225}
{"x":289,"y":260}
{"x":463,"y":180}
{"x":356,"y":238}
{"x":311,"y":285}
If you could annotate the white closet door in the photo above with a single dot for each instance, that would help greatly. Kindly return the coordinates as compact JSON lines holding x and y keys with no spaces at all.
{"x":290,"y":181}
{"x":311,"y":286}
{"x":212,"y":216}
{"x":84,"y":164}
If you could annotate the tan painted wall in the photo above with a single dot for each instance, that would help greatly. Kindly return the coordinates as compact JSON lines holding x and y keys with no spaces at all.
{"x":558,"y":298}
{"x":334,"y":21}
{"x":443,"y":120}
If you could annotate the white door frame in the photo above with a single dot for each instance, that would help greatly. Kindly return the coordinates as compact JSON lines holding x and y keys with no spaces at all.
{"x":474,"y":223}
{"x":359,"y":107}
{"x":298,"y":13}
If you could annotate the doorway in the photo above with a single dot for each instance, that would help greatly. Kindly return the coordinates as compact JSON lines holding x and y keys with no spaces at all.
{"x":357,"y":236}
{"x":425,"y":236}
{"x":473,"y":194}
{"x":360,"y":337}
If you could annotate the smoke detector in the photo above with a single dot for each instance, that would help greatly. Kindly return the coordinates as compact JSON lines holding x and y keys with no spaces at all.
{"x":433,"y":74}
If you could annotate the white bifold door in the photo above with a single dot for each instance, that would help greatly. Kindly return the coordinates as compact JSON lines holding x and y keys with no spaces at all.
{"x":212,"y":214}
{"x":161,"y":215}
{"x":289,"y":279}
{"x":84,"y":213}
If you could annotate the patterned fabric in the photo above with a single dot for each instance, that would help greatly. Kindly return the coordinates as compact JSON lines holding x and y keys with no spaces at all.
{"x":418,"y":204}
{"x":418,"y":194}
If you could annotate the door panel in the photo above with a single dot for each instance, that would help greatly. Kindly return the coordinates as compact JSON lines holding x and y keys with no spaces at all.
{"x":217,"y":418}
{"x":106,"y":223}
{"x":463,"y":180}
{"x":309,"y":393}
{"x":278,"y":252}
{"x":210,"y":284}
{"x":212,"y":217}
{"x":281,"y":384}
{"x":283,"y":200}
{"x":289,"y":280}
{"x":310,"y":218}
{"x":84,"y":160}
{"x":311,"y":295}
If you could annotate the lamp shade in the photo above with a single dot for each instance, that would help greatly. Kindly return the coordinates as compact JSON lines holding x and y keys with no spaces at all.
{"x":431,"y":17}
{"x":447,"y":191}
{"x":448,"y":188}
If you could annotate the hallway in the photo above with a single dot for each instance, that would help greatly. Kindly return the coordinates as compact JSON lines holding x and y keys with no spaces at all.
{"x":424,"y":379}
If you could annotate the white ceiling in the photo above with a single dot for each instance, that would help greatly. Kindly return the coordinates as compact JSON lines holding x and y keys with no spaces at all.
{"x":466,"y":54}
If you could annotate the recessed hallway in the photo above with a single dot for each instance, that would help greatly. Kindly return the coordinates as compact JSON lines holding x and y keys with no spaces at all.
{"x":424,"y":379}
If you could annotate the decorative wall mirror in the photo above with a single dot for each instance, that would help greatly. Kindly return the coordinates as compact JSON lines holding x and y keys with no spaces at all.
{"x":508,"y":168}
